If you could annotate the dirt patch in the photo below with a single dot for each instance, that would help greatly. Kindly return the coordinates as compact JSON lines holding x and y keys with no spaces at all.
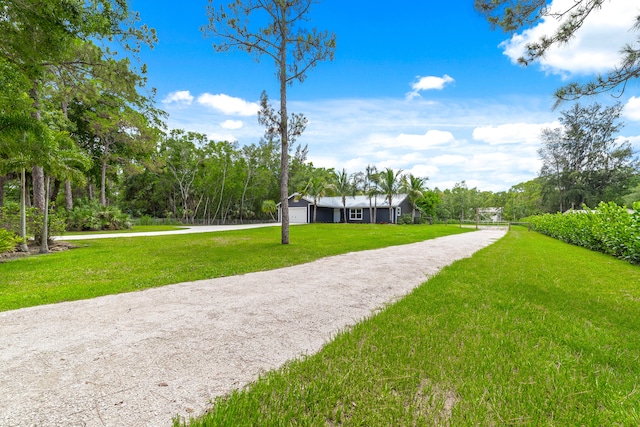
{"x":139,"y":359}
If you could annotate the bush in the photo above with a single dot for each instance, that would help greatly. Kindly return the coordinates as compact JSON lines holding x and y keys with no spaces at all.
{"x":10,"y":220}
{"x":406,"y":219}
{"x":610,"y":229}
{"x":8,"y":240}
{"x":92,"y":216}
{"x":145,"y":220}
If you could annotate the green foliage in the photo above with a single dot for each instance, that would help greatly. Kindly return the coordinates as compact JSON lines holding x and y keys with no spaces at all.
{"x":505,"y":337}
{"x":92,"y":216}
{"x":145,"y":220}
{"x":405,"y":219}
{"x":8,"y":240}
{"x":10,"y":220}
{"x":610,"y":229}
{"x":429,"y":202}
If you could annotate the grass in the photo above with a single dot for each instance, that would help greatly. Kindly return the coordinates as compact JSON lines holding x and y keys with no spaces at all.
{"x":110,"y":266}
{"x":134,"y":229}
{"x":529,"y":331}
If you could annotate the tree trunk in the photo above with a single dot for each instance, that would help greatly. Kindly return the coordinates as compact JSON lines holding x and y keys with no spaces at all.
{"x":68,"y":195}
{"x":103,"y":183}
{"x":284,"y":135}
{"x":37,"y":176}
{"x":44,"y":239}
{"x":23,"y":211}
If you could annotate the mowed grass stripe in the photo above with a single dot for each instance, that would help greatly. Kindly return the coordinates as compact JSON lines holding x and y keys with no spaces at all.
{"x":109,"y":266}
{"x":529,"y":331}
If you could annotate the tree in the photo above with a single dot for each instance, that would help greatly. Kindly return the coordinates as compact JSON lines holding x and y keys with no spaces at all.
{"x":183,"y":159}
{"x":64,"y":160}
{"x":18,"y":152}
{"x":512,"y":15}
{"x":370,"y":189}
{"x":317,"y":187}
{"x":429,"y":202}
{"x":390,"y":183}
{"x":36,"y":35}
{"x":294,"y":50}
{"x":583,"y":161}
{"x":554,"y":165}
{"x":270,"y":207}
{"x":523,"y":200}
{"x":344,"y":185}
{"x":414,"y":186}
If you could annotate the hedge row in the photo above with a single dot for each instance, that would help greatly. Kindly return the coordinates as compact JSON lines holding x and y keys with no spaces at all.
{"x":610,"y":229}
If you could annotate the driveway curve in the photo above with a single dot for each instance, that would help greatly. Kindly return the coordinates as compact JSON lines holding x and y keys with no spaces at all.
{"x":138,"y":359}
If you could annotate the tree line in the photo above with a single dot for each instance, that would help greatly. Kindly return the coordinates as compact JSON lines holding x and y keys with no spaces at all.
{"x":78,"y":122}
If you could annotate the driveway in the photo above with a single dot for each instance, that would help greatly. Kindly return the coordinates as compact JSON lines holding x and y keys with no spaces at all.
{"x":140,"y":358}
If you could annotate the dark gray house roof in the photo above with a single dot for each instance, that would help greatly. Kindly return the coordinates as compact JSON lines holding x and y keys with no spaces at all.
{"x":358,"y":201}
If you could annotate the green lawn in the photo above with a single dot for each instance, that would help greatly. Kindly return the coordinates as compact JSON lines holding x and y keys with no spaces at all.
{"x":134,"y":229}
{"x":109,"y":266}
{"x":529,"y":331}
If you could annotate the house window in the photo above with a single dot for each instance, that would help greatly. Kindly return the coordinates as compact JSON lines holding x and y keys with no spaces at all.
{"x":355,"y":214}
{"x":398,"y":212}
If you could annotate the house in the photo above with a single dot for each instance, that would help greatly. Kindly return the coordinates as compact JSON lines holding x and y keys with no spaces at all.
{"x":330,"y":209}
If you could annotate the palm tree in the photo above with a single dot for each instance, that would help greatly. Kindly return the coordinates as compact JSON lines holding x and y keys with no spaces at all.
{"x":316,"y":188}
{"x":370,"y":188}
{"x":390,"y":183}
{"x":414,"y":187}
{"x":17,"y":153}
{"x":344,"y":186}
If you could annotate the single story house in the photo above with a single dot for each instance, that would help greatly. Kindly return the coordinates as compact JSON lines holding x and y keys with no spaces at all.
{"x":330,"y":209}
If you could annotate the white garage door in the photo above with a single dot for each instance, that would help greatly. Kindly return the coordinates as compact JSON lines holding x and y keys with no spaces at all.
{"x":298,"y":215}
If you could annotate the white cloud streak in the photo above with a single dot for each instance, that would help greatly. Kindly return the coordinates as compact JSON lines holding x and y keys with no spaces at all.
{"x":232,"y":124}
{"x":181,"y":98}
{"x":512,"y":133}
{"x":229,"y":105}
{"x":428,"y":83}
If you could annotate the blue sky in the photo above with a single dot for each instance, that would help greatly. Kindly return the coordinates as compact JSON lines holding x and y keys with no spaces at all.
{"x":422,"y":86}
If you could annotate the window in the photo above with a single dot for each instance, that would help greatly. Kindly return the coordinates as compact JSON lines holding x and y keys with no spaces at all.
{"x":355,"y":214}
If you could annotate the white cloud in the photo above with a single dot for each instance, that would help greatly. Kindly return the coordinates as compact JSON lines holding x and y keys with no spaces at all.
{"x":182,"y":98}
{"x":424,"y":171}
{"x":512,"y":133}
{"x":632,"y":109}
{"x":232,"y":124}
{"x":594,"y":49}
{"x":449,"y":160}
{"x":228,"y":104}
{"x":428,"y":83}
{"x":433,"y":138}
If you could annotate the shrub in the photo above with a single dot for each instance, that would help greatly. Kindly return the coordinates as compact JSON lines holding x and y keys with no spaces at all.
{"x":145,"y":220}
{"x":610,"y":229}
{"x":8,"y":240}
{"x":10,"y":220}
{"x":92,"y":216}
{"x":404,"y":219}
